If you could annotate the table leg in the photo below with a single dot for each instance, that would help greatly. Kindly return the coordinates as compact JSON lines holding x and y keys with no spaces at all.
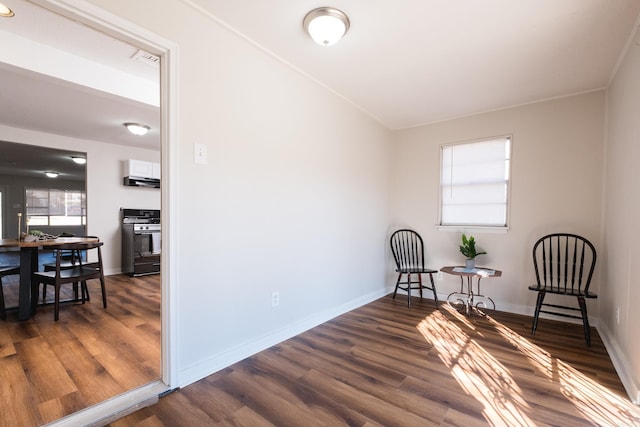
{"x":469,"y":295}
{"x":28,"y":264}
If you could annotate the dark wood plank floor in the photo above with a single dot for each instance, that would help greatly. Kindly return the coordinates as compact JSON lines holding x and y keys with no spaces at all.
{"x":51,"y":369}
{"x":386,"y":365}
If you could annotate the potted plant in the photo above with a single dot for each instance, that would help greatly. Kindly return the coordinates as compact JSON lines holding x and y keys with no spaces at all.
{"x":468,"y":249}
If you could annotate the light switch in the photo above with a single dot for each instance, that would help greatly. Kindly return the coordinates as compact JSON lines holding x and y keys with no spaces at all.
{"x":200,"y":154}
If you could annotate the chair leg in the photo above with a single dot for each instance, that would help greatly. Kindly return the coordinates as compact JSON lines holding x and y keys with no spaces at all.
{"x":433,"y":287}
{"x":541,"y":295}
{"x":585,"y":320}
{"x":56,"y":304}
{"x":409,"y":290}
{"x":420,"y":284}
{"x":84,"y":291}
{"x":3,"y":311}
{"x":104,"y":292}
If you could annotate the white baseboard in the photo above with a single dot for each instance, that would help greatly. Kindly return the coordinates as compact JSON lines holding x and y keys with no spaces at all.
{"x":227,"y":358}
{"x":114,"y":408}
{"x":620,"y":363}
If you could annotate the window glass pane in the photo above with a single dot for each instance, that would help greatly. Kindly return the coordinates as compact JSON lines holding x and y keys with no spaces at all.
{"x":38,"y":220}
{"x":474,"y":183}
{"x":66,"y":220}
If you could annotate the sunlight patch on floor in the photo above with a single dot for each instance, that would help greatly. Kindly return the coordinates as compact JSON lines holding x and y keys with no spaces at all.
{"x":477,"y":371}
{"x":593,"y":400}
{"x":482,"y":376}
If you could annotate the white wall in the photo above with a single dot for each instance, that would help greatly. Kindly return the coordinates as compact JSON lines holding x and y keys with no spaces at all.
{"x":294,"y":198}
{"x":556,"y":185}
{"x":105,"y":192}
{"x":622,"y":213}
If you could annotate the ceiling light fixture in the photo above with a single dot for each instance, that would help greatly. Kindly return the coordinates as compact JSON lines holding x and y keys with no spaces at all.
{"x":5,"y":12}
{"x":137,"y":129}
{"x":52,"y":174}
{"x":79,"y":160}
{"x":326,"y":25}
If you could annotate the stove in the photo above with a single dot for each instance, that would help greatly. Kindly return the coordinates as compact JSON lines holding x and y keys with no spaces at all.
{"x":141,"y":241}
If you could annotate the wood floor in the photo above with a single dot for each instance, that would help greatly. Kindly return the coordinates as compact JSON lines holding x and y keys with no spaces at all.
{"x":386,"y":365}
{"x":51,"y":369}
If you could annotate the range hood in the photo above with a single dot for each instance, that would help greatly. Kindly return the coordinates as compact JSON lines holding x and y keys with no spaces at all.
{"x":140,"y":173}
{"x":135,"y":181}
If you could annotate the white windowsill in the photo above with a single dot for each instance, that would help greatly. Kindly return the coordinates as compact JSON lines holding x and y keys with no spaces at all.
{"x":473,"y":228}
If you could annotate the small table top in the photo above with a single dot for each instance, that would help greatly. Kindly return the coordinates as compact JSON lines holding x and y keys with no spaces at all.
{"x":477,"y":271}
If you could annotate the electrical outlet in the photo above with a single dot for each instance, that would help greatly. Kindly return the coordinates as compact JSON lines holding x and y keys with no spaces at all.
{"x":617,"y":315}
{"x":440,"y":276}
{"x":275,"y":298}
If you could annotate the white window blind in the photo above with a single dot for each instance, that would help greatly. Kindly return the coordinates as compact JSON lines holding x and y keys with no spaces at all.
{"x":474,"y":183}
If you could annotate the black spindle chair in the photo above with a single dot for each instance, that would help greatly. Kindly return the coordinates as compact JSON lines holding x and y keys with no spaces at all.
{"x":408,"y":252}
{"x":564,"y":265}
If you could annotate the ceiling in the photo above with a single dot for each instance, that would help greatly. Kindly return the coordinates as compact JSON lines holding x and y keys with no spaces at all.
{"x":405,"y":63}
{"x":61,"y":77}
{"x":414,"y":62}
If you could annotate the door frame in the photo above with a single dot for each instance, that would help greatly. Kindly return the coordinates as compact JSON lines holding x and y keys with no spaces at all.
{"x":118,"y":27}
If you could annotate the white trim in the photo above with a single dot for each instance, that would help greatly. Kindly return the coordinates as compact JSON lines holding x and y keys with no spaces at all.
{"x":475,"y":229}
{"x":118,"y":27}
{"x":114,"y":408}
{"x":620,"y":363}
{"x":229,"y":357}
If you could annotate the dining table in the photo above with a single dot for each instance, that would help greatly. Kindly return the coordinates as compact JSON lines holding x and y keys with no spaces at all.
{"x":27,"y":293}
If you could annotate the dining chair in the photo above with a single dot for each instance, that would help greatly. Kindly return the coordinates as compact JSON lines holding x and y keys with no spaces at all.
{"x":564,"y":265}
{"x":408,"y":252}
{"x":79,"y":273}
{"x":69,"y":259}
{"x":6,"y":271}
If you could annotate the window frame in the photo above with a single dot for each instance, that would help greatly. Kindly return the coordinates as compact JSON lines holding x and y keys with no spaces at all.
{"x":508,"y":181}
{"x":83,"y":207}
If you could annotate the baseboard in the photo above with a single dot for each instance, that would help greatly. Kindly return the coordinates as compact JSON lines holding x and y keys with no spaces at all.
{"x":241,"y":352}
{"x":620,"y":363}
{"x":115,"y":408}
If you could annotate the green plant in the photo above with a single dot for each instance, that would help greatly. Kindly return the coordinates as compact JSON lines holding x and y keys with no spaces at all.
{"x":468,"y":247}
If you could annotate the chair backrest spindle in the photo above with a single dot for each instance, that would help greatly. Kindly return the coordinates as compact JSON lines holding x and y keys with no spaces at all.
{"x":407,"y":248}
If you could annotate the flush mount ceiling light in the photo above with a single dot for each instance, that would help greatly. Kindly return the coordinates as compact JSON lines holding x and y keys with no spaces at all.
{"x":52,"y":174}
{"x":79,"y":160}
{"x":137,"y":129}
{"x":326,"y":25}
{"x":5,"y":12}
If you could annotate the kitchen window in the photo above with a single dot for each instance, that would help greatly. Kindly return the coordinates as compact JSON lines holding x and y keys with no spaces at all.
{"x":54,"y":207}
{"x":474,"y":183}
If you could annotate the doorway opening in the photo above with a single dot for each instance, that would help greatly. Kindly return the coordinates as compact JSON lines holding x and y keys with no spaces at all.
{"x":116,"y":27}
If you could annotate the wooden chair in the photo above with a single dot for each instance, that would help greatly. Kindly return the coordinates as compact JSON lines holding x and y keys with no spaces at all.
{"x":79,"y":273}
{"x":564,"y":265}
{"x":408,"y":252}
{"x":69,"y":259}
{"x":6,"y":271}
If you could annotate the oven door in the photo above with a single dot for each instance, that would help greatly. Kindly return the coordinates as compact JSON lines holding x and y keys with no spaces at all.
{"x":140,"y":249}
{"x":146,"y":251}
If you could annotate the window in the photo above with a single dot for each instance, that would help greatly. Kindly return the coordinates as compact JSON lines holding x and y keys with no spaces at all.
{"x":53,"y":207}
{"x":474,"y":183}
